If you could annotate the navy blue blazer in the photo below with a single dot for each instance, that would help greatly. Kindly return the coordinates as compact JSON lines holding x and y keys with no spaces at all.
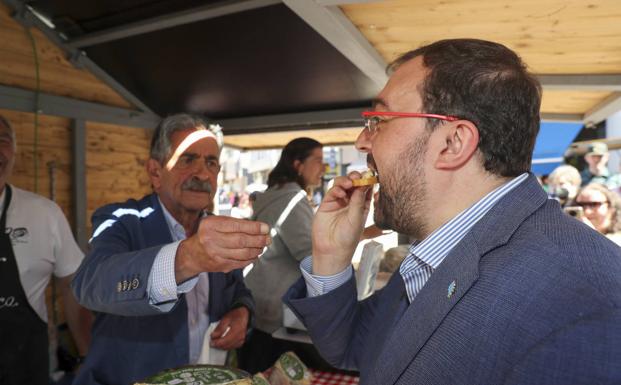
{"x":536,"y":301}
{"x":131,"y":339}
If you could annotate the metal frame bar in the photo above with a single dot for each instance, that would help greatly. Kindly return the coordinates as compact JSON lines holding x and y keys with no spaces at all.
{"x":23,"y":100}
{"x":336,"y":28}
{"x":583,"y":82}
{"x":554,"y":117}
{"x":78,"y":128}
{"x":342,"y":118}
{"x":279,"y":147}
{"x":168,"y":21}
{"x":604,"y":109}
{"x":26,"y":18}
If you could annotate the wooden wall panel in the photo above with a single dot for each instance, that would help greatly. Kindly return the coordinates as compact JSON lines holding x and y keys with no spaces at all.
{"x":115,"y":160}
{"x":115,"y":164}
{"x":57,"y":75}
{"x":54,"y":145}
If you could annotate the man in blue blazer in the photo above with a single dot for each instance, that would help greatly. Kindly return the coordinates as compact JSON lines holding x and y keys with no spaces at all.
{"x":500,"y":286}
{"x":160,"y":270}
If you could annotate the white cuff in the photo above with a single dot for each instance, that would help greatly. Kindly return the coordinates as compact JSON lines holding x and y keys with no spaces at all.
{"x":162,"y":286}
{"x":316,"y":284}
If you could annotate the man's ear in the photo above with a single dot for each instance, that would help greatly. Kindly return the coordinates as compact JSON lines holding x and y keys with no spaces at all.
{"x":461,"y":140}
{"x":154,"y":170}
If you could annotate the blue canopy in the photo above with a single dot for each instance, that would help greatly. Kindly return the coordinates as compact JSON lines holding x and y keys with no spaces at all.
{"x":551,"y":143}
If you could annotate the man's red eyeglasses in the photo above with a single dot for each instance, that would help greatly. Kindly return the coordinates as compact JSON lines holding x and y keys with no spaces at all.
{"x":372,"y":118}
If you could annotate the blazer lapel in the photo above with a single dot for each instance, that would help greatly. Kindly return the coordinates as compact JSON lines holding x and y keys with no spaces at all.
{"x":452,"y":280}
{"x":425,"y":314}
{"x":156,"y":229}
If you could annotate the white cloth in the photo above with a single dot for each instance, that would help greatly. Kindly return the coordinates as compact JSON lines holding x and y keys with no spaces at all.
{"x":42,"y":243}
{"x":210,"y":355}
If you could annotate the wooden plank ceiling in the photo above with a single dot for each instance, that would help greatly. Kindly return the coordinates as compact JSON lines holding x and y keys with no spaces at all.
{"x":552,"y":36}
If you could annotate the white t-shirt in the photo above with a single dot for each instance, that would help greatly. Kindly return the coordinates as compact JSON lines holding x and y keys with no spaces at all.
{"x":42,"y":243}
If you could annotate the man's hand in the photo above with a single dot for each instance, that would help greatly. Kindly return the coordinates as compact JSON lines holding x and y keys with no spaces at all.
{"x":231,"y":331}
{"x":338,"y":224}
{"x":602,"y":165}
{"x":221,"y":244}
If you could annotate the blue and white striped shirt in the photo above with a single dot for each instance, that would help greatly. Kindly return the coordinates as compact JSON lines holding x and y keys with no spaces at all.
{"x":425,"y":256}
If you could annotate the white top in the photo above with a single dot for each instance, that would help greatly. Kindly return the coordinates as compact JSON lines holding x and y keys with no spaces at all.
{"x":42,"y":243}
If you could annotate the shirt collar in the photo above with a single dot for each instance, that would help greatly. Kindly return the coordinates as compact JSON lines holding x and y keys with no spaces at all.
{"x":176,"y":229}
{"x":433,"y":249}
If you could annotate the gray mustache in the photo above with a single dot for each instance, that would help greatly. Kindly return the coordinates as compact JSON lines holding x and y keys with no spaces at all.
{"x":196,"y":184}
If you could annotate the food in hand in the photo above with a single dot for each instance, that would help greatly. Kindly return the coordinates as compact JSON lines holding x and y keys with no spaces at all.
{"x":368,"y":178}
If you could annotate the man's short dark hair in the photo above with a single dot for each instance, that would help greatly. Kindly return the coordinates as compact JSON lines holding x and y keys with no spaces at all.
{"x":488,"y":84}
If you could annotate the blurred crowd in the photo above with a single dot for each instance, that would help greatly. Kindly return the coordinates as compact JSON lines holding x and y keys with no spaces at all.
{"x":591,"y":196}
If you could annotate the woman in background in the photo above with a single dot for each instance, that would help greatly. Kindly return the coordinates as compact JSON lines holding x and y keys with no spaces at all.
{"x":286,"y":208}
{"x":602,"y":210}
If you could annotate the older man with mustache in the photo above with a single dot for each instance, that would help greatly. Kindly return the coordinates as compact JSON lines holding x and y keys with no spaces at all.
{"x":161,"y":270}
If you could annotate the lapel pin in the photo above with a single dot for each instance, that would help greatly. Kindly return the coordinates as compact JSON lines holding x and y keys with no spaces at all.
{"x":451,"y":289}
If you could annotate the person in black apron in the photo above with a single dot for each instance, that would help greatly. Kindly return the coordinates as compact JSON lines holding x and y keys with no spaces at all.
{"x":23,"y":335}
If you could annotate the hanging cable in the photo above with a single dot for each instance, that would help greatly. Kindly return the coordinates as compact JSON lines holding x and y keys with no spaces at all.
{"x":37,"y":109}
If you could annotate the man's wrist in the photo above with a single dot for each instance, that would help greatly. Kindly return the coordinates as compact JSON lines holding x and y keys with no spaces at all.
{"x":183,"y":265}
{"x":238,"y":305}
{"x":249,"y":314}
{"x":328,"y":265}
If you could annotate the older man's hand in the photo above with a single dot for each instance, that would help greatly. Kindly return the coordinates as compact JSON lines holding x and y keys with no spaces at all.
{"x":221,"y":244}
{"x":231,"y":331}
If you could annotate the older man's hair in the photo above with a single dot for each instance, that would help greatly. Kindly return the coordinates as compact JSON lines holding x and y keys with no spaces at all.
{"x":488,"y":84}
{"x":161,"y":142}
{"x":4,"y":122}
